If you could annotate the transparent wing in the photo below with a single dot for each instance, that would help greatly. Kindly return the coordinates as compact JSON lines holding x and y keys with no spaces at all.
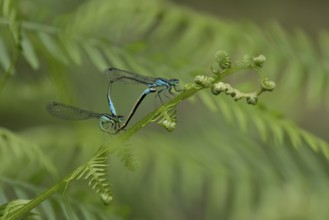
{"x":124,"y":76}
{"x":69,"y":112}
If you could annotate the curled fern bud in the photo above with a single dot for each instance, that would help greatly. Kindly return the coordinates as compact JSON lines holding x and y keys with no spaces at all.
{"x":252,"y":99}
{"x":259,"y":61}
{"x":169,"y":125}
{"x":232,"y":91}
{"x":238,"y":96}
{"x":214,"y":71}
{"x":106,"y":198}
{"x":223,"y":59}
{"x":203,"y":81}
{"x":247,"y":60}
{"x":268,"y":85}
{"x":167,"y":117}
{"x":217,"y":88}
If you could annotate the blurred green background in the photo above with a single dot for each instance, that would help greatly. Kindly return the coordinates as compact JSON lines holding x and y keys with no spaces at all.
{"x":225,"y":159}
{"x":311,"y":16}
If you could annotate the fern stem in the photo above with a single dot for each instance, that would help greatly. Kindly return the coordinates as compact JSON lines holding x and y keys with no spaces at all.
{"x":37,"y":200}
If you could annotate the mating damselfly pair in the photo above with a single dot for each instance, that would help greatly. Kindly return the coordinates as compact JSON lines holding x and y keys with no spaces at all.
{"x":111,"y":123}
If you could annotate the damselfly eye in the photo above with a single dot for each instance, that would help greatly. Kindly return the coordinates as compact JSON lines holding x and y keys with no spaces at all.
{"x":174,"y":82}
{"x":120,"y":118}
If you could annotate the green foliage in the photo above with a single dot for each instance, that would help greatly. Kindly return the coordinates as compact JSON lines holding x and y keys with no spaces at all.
{"x":96,"y":172}
{"x":21,"y":150}
{"x":226,"y":159}
{"x":57,"y":207}
{"x":10,"y":13}
{"x":12,"y":207}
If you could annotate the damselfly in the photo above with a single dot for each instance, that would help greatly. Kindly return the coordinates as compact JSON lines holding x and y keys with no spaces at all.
{"x":123,"y":76}
{"x":108,"y":123}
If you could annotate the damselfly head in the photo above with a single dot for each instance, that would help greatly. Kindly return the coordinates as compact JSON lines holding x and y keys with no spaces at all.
{"x":120,"y":118}
{"x":174,"y":82}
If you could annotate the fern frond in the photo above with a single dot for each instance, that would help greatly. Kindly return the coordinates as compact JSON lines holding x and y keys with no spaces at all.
{"x":95,"y":171}
{"x":283,"y":129}
{"x":13,"y":206}
{"x":14,"y":148}
{"x":128,"y":158}
{"x":4,"y":56}
{"x":227,"y":170}
{"x":81,"y":206}
{"x":269,"y":126}
{"x":29,"y":52}
{"x":10,"y":12}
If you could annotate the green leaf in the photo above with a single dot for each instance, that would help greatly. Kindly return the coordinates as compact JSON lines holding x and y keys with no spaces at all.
{"x":208,"y":101}
{"x":4,"y":56}
{"x":6,"y":7}
{"x":115,"y":57}
{"x":294,"y":136}
{"x":261,"y":127}
{"x":96,"y":56}
{"x":241,"y":118}
{"x":316,"y":86}
{"x":225,"y":108}
{"x":52,"y":46}
{"x":29,"y":53}
{"x":72,"y":48}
